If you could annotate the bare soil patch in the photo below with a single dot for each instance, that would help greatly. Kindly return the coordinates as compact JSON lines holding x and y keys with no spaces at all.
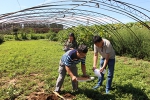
{"x":43,"y":96}
{"x":68,"y":96}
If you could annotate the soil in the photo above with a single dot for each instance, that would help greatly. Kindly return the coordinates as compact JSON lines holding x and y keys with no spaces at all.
{"x":43,"y":96}
{"x":68,"y":96}
{"x":83,"y":78}
{"x":52,"y":97}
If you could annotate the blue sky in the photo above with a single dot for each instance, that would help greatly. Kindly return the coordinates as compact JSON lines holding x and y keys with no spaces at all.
{"x":7,"y":6}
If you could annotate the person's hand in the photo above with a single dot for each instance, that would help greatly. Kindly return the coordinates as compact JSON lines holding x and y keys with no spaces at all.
{"x":74,"y":78}
{"x":93,"y":68}
{"x":101,"y":69}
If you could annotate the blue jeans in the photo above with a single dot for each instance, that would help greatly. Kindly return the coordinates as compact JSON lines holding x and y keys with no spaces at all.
{"x":62,"y":74}
{"x":111,"y":64}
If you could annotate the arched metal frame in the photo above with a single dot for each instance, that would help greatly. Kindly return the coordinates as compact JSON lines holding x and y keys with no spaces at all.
{"x":71,"y":13}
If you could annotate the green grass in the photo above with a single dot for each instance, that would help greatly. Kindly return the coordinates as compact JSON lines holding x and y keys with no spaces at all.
{"x":32,"y":66}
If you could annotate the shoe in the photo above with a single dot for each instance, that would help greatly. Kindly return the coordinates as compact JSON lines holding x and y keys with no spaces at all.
{"x":107,"y":91}
{"x":73,"y":91}
{"x":97,"y":86}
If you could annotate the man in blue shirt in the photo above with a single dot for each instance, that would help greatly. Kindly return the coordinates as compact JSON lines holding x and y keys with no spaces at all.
{"x":68,"y":64}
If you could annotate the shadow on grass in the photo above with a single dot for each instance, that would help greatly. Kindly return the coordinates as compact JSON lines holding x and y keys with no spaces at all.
{"x":1,"y":42}
{"x":97,"y":95}
{"x":137,"y":93}
{"x":120,"y":92}
{"x":93,"y":94}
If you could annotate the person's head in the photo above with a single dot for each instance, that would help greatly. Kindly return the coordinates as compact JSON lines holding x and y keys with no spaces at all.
{"x":71,"y":37}
{"x":98,"y":41}
{"x":82,"y":50}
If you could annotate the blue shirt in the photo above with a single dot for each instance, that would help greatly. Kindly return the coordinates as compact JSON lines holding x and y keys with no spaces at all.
{"x":70,"y":58}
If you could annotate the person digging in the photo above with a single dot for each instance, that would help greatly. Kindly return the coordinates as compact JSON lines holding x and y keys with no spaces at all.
{"x":68,"y":64}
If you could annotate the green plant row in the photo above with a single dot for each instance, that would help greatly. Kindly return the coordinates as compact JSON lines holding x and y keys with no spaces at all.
{"x":29,"y":36}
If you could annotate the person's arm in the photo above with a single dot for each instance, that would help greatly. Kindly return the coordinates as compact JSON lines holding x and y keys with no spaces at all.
{"x":66,"y":46}
{"x":74,"y":78}
{"x":108,"y":50}
{"x":68,"y":62}
{"x":83,"y":67}
{"x":95,"y":58}
{"x":105,"y":63}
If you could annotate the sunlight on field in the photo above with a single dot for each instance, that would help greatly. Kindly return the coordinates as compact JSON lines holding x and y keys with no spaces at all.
{"x":32,"y":66}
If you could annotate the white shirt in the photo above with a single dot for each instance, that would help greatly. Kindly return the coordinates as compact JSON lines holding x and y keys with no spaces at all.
{"x":105,"y":49}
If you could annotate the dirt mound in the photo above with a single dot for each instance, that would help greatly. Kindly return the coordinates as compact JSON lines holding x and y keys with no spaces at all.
{"x":42,"y":96}
{"x":51,"y":97}
{"x":68,"y":96}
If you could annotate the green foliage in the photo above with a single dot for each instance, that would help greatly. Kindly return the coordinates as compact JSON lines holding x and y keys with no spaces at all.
{"x":24,"y":36}
{"x":15,"y":33}
{"x":52,"y":36}
{"x":134,"y":45}
{"x":12,"y":91}
{"x":34,"y":36}
{"x":84,"y":36}
{"x":1,"y":38}
{"x":62,"y":35}
{"x":8,"y":37}
{"x":133,"y":42}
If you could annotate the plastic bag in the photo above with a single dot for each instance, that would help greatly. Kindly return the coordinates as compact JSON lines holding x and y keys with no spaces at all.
{"x":97,"y":72}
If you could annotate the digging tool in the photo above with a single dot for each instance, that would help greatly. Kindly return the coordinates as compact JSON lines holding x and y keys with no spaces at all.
{"x":57,"y":94}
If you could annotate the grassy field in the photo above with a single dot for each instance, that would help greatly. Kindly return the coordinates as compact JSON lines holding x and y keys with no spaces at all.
{"x":32,"y":66}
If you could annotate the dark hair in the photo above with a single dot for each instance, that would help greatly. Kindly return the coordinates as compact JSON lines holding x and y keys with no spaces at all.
{"x":82,"y":48}
{"x":72,"y":35}
{"x":97,"y":39}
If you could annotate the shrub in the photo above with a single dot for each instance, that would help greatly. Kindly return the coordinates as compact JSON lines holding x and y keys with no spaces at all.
{"x":41,"y":36}
{"x":1,"y":39}
{"x":52,"y":36}
{"x":34,"y":36}
{"x":62,"y":35}
{"x":8,"y":37}
{"x":133,"y":45}
{"x":24,"y":36}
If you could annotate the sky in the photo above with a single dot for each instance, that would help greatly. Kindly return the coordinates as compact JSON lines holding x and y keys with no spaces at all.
{"x":7,"y":6}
